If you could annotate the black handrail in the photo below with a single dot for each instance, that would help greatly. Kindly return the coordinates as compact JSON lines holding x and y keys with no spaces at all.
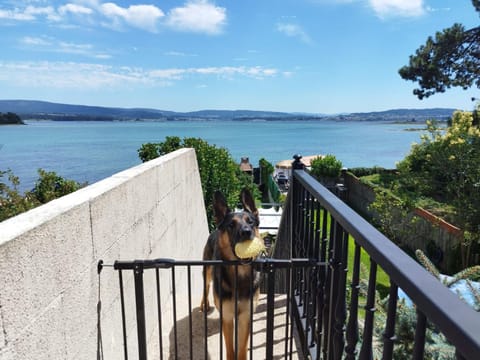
{"x":435,"y":302}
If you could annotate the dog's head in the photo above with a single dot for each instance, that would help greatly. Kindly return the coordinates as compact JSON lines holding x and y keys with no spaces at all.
{"x":235,"y":227}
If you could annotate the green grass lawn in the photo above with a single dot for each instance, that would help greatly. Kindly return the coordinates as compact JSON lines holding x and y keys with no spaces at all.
{"x":383,"y":280}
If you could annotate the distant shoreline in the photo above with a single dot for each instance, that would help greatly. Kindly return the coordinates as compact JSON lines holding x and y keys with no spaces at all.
{"x":42,"y":110}
{"x":342,"y":119}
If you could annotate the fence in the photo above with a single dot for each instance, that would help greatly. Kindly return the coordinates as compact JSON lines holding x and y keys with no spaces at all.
{"x":318,"y":225}
{"x":324,"y":282}
{"x":272,"y":324}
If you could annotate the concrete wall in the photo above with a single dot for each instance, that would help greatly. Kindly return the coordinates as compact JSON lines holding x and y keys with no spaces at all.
{"x":360,"y":196}
{"x":53,"y":304}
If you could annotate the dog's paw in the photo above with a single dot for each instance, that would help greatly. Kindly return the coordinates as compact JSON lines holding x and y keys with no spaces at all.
{"x":205,"y":306}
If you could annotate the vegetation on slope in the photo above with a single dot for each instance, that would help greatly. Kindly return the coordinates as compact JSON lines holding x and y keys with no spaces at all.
{"x":218,"y":170}
{"x":49,"y":186}
{"x":10,"y":119}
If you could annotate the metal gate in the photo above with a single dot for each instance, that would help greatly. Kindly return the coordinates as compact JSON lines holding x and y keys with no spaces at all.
{"x":193,"y":334}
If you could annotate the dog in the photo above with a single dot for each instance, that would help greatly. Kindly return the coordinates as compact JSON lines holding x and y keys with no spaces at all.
{"x":232,"y":228}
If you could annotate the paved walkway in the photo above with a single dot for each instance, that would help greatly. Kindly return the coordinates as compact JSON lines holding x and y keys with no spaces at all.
{"x":183,"y":348}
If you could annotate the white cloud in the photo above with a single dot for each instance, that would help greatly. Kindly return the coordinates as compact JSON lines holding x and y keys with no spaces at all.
{"x":432,"y":9}
{"x":29,"y":13}
{"x":67,"y":75}
{"x":140,"y":16}
{"x":82,"y":76}
{"x":75,"y":9}
{"x":179,"y":53}
{"x":294,"y":30}
{"x":334,"y":1}
{"x":198,"y":16}
{"x":49,"y":44}
{"x":69,"y":47}
{"x":144,"y":17}
{"x":386,"y":8}
{"x":35,"y":41}
{"x":170,"y":74}
{"x":227,"y":72}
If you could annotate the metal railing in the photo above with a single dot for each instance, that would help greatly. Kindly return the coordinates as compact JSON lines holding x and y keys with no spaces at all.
{"x":270,"y":268}
{"x":325,"y":264}
{"x":331,"y":323}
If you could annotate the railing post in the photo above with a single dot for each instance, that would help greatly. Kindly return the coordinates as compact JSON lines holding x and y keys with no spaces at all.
{"x":297,"y":163}
{"x":366,"y":351}
{"x":124,"y":325}
{"x":270,"y":309}
{"x":389,"y":334}
{"x":327,"y":295}
{"x":340,"y":306}
{"x":419,"y":345}
{"x":140,"y":308}
{"x":352,"y":327}
{"x":321,"y":286}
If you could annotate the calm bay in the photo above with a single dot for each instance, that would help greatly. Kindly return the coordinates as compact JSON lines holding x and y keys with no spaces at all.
{"x":88,"y":151}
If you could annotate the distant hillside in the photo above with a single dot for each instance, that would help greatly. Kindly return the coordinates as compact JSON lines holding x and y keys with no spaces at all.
{"x":440,"y":114}
{"x":236,"y":114}
{"x":31,"y":109}
{"x":47,"y":110}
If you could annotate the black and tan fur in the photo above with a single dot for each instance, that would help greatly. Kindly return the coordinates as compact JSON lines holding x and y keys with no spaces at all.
{"x":232,"y":228}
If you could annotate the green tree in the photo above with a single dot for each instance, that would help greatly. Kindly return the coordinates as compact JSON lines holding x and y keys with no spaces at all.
{"x":446,"y":167}
{"x":451,"y":59}
{"x":266,"y":170}
{"x":12,"y":202}
{"x":49,"y":186}
{"x":10,"y":118}
{"x":218,"y":170}
{"x":392,"y":215}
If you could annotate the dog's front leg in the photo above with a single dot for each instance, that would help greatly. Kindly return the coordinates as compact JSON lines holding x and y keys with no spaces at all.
{"x":227,"y":327}
{"x":243,"y":333}
{"x":207,"y":278}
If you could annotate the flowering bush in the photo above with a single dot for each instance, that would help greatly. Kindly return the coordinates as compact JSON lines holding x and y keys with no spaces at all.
{"x":446,"y":167}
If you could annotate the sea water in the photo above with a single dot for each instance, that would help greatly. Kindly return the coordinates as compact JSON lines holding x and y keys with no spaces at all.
{"x":88,"y":151}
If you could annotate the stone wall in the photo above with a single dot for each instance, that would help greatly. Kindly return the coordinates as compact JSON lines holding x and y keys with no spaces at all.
{"x":53,"y":303}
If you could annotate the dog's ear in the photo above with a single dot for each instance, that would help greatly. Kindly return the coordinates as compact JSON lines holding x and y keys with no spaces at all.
{"x":248,"y":202}
{"x":220,"y":207}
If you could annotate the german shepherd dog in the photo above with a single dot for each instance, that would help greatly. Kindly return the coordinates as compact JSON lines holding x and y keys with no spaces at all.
{"x":232,"y":228}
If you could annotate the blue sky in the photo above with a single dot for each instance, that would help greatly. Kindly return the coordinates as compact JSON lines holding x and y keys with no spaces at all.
{"x":317,"y":56}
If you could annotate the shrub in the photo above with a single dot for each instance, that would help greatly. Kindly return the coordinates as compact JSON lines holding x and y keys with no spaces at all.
{"x":326,"y":166}
{"x":218,"y":170}
{"x":364,"y":171}
{"x":446,"y":167}
{"x":49,"y":186}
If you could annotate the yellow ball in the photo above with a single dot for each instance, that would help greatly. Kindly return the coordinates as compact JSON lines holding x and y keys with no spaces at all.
{"x":249,"y":248}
